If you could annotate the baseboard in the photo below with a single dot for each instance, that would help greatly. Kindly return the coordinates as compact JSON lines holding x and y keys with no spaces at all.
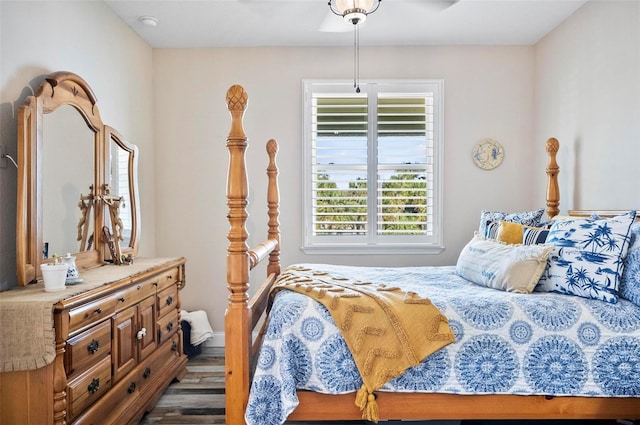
{"x":217,"y":340}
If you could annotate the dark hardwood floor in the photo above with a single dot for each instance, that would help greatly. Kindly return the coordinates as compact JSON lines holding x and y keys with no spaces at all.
{"x":199,"y":399}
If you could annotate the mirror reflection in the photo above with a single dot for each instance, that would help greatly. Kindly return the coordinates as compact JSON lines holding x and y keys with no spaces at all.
{"x":120,"y":183}
{"x":67,"y":183}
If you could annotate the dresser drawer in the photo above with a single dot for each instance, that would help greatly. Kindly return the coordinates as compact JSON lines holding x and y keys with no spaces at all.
{"x":88,"y":387}
{"x":135,"y":293}
{"x":167,"y":326}
{"x":90,"y":313}
{"x":87,"y":348}
{"x":154,"y":373}
{"x":168,"y":278}
{"x":167,"y":300}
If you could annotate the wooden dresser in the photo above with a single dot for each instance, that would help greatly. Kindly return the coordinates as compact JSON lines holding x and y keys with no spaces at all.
{"x":118,"y":345}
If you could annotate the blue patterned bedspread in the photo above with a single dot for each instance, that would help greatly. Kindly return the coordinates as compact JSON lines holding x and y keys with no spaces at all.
{"x":506,"y":343}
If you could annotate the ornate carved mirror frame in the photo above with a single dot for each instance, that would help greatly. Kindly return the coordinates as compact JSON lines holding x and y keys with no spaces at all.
{"x":91,"y":211}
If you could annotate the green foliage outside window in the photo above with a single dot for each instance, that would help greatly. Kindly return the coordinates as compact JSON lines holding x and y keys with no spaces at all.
{"x":344,"y":211}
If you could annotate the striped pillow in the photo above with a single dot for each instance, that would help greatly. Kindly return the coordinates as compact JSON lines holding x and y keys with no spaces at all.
{"x":534,"y":235}
{"x":491,"y":230}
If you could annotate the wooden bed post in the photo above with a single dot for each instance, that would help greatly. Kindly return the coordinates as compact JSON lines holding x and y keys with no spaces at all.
{"x":553,"y":192}
{"x":237,"y":332}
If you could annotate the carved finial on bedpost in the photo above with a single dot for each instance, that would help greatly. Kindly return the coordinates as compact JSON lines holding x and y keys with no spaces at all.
{"x":273,"y":205}
{"x":237,"y":315}
{"x":553,"y":192}
{"x":237,"y":103}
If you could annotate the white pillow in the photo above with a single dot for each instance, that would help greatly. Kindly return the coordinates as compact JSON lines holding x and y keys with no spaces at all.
{"x":513,"y":268}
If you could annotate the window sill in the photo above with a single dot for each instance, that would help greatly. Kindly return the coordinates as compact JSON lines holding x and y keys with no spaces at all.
{"x":363,"y":249}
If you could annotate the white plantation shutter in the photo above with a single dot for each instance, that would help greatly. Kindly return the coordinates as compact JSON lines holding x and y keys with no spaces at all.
{"x":339,"y":176}
{"x":404,"y":162}
{"x":371,"y":165}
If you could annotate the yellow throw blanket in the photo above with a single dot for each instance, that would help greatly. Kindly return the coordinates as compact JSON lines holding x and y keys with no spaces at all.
{"x":386,"y":329}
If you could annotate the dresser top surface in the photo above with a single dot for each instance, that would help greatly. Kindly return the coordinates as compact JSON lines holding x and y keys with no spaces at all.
{"x":93,"y":279}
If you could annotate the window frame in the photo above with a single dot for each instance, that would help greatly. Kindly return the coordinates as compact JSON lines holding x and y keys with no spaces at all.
{"x":398,"y":244}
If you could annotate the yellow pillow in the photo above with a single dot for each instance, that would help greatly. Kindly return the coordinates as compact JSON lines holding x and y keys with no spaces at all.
{"x":509,"y":232}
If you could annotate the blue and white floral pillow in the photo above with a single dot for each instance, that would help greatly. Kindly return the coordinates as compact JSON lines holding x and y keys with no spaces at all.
{"x":487,"y":218}
{"x":630,"y":282}
{"x":587,"y":257}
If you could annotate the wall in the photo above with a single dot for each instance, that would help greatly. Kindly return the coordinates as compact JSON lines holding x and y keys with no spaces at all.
{"x":587,"y":83}
{"x":87,"y":38}
{"x":488,"y":94}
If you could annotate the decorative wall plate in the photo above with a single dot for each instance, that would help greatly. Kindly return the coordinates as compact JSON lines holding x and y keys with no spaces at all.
{"x":488,"y":154}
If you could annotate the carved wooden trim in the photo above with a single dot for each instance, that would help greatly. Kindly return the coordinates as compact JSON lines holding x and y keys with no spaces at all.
{"x":61,"y":322}
{"x":26,"y":223}
{"x":75,"y":91}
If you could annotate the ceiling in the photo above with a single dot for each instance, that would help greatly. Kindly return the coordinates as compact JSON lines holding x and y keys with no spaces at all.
{"x":251,"y":23}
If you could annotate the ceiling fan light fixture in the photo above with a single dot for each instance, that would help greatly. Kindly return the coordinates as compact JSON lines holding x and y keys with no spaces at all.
{"x":354,"y":11}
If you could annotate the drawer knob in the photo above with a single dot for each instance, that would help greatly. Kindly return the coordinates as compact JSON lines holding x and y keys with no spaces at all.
{"x":97,"y":311}
{"x":93,"y":346}
{"x":146,"y":373}
{"x":131,"y":388}
{"x":169,"y":300}
{"x":174,"y":346}
{"x":141,"y":333}
{"x":94,"y":386}
{"x":121,"y":299}
{"x":155,"y":283}
{"x":169,"y":326}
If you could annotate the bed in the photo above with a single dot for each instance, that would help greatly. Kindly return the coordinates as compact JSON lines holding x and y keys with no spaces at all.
{"x":514,"y":355}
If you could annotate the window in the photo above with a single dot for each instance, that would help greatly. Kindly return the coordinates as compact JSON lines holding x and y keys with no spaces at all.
{"x":373,"y":167}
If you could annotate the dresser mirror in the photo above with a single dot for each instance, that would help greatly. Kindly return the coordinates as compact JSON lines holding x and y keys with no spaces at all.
{"x":77,"y":186}
{"x":123,"y":181}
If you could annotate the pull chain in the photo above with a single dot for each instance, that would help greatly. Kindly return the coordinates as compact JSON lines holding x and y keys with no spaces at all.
{"x":356,"y":57}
